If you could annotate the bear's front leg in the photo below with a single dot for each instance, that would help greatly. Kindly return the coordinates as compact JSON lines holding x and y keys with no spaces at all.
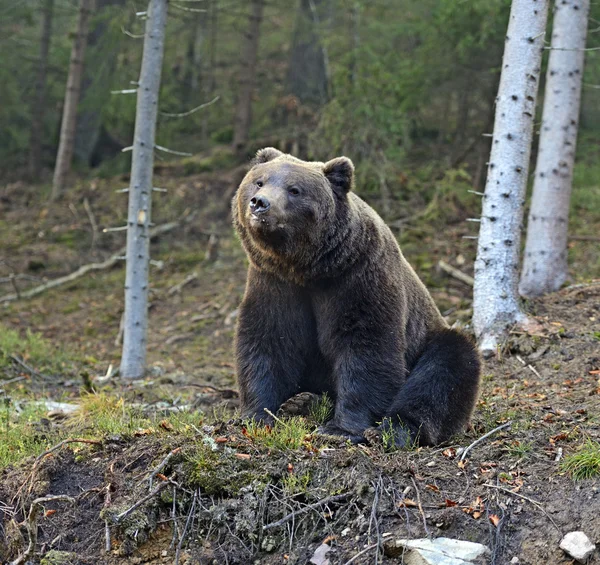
{"x":364,"y":388}
{"x":275,"y":339}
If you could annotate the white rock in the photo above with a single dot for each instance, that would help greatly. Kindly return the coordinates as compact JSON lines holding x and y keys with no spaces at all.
{"x":578,"y":546}
{"x":439,"y":551}
{"x":320,"y":555}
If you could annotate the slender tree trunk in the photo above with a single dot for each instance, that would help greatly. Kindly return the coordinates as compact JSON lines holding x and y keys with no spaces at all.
{"x":69,"y":118}
{"x":495,"y":299}
{"x":133,"y":361}
{"x":39,"y":99}
{"x":243,"y":113}
{"x":545,"y":261}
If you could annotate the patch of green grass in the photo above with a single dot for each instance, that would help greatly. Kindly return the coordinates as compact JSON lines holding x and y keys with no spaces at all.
{"x":31,"y":347}
{"x":294,"y":484}
{"x":519,"y":449}
{"x":284,"y":435}
{"x":585,"y":464}
{"x":321,"y":410}
{"x":19,"y":437}
{"x":596,"y":335}
{"x":392,"y":436}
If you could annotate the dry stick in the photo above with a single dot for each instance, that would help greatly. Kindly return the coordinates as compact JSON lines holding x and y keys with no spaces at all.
{"x":420,"y":506}
{"x":31,"y":524}
{"x":162,"y":465}
{"x":534,"y":502}
{"x":584,"y":238}
{"x":92,"y":218}
{"x":107,"y":543}
{"x":177,"y":288}
{"x":117,"y":519}
{"x":25,"y":366}
{"x":457,"y":274}
{"x":368,"y":548}
{"x":285,"y":519}
{"x":11,"y":381}
{"x":158,"y":230}
{"x":485,"y":436}
{"x":185,"y":528}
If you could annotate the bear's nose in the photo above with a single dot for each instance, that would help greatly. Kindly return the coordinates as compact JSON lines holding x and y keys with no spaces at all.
{"x":259,"y":205}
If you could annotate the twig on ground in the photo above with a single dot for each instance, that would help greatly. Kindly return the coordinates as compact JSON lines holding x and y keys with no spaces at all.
{"x":482,"y":438}
{"x":31,"y":523}
{"x":456,"y":273}
{"x":534,"y":502}
{"x":178,"y":287}
{"x":307,"y":508}
{"x":120,"y":517}
{"x":25,"y":366}
{"x":185,"y":528}
{"x":559,"y":454}
{"x":534,"y":370}
{"x":420,"y":506}
{"x":107,"y":543}
{"x":162,"y":465}
{"x":362,"y":552}
{"x":92,"y":219}
{"x":83,"y":270}
{"x":11,"y":381}
{"x":273,"y":416}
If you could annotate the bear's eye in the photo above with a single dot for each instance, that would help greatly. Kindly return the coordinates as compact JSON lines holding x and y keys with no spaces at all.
{"x":259,"y":183}
{"x":294,"y":190}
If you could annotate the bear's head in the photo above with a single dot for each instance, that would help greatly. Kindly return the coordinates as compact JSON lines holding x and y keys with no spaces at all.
{"x":286,"y":206}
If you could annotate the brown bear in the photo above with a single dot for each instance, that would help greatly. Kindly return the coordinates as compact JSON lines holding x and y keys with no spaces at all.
{"x":332,"y":306}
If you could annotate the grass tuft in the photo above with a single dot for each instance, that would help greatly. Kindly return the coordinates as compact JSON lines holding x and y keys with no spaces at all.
{"x":585,"y":464}
{"x":284,"y":435}
{"x":322,"y":409}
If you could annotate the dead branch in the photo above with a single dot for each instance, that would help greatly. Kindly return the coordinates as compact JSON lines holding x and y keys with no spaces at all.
{"x":362,"y":552}
{"x":534,"y":502}
{"x":189,"y":112}
{"x":178,"y":287}
{"x":482,"y":438}
{"x":85,"y":269}
{"x":31,"y":524}
{"x":420,"y":506}
{"x":92,"y":219}
{"x":185,"y":528}
{"x":457,"y":274}
{"x":107,"y":542}
{"x":25,"y":366}
{"x":584,"y":237}
{"x":120,"y":517}
{"x":162,"y":465}
{"x":307,"y":508}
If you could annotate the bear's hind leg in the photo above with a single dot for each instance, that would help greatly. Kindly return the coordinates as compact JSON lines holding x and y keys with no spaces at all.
{"x":439,"y":395}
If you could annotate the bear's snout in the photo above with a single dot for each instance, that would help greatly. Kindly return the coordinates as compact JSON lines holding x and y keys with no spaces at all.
{"x":259,"y":204}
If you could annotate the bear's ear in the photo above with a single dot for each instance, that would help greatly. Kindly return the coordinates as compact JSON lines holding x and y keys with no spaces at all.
{"x":265,"y":155}
{"x":340,"y":173}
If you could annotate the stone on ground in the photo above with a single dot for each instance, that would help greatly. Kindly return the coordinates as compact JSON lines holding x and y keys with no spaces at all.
{"x":578,"y":546}
{"x":439,"y":551}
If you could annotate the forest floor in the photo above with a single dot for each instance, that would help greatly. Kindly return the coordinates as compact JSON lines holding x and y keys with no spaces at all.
{"x":161,"y":471}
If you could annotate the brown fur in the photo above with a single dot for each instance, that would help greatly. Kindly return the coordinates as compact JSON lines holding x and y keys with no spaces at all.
{"x":331,"y":305}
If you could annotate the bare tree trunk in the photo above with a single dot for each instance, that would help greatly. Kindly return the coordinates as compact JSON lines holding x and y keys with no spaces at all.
{"x":133,"y":361}
{"x":39,"y":100}
{"x":69,"y":118}
{"x":495,"y":299}
{"x":243,"y":113}
{"x":545,"y":262}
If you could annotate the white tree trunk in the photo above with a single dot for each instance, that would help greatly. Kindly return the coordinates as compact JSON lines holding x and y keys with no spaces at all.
{"x":545,"y":260}
{"x":69,"y":117}
{"x":133,"y":361}
{"x":495,"y":299}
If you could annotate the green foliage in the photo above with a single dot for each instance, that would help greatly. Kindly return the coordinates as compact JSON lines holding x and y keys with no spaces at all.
{"x":32,"y":347}
{"x":322,"y":409}
{"x":286,"y":434}
{"x":585,"y":464}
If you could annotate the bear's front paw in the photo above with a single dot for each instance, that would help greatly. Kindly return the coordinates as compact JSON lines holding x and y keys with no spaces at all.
{"x":331,"y":429}
{"x":298,"y":405}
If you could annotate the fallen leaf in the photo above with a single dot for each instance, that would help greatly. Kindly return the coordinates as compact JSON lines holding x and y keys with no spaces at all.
{"x":434,"y":488}
{"x":243,"y":456}
{"x":221,"y":439}
{"x":407,"y":503}
{"x":450,"y":453}
{"x":494,"y":519}
{"x":162,"y":477}
{"x":166,"y":425}
{"x":49,"y":513}
{"x":450,"y":503}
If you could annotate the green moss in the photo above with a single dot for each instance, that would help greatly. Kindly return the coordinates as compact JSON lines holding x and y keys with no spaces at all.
{"x":55,"y":557}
